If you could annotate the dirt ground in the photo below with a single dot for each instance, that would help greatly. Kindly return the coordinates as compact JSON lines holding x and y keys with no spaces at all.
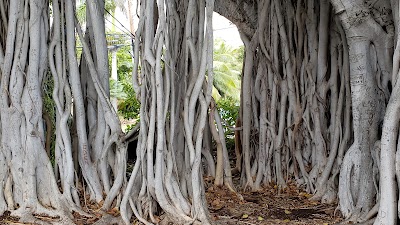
{"x":268,"y":206}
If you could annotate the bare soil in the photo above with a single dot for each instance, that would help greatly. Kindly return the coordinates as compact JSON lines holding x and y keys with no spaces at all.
{"x":269,"y":206}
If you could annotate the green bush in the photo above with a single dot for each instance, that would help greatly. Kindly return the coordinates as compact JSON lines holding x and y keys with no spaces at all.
{"x":228,"y":108}
{"x":128,"y":105}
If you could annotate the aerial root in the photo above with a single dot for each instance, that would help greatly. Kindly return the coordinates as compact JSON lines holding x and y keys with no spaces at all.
{"x":29,"y":218}
{"x":43,"y":219}
{"x":41,"y":215}
{"x":325,"y":193}
{"x":370,"y":215}
{"x":361,"y":219}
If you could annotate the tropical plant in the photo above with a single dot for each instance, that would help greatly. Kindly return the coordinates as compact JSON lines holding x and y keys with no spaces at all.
{"x":227,"y":70}
{"x":128,"y":104}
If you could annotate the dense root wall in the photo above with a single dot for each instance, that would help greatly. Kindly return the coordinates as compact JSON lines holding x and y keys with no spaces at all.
{"x":315,"y":85}
{"x":296,"y":97}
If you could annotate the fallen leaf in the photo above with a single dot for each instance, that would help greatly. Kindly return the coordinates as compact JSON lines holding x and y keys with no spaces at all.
{"x":234,"y":213}
{"x":286,"y":221}
{"x":216,"y":202}
{"x":218,"y":206}
{"x":245,"y":216}
{"x":260,"y":218}
{"x":114,"y":211}
{"x":287,"y":212}
{"x":305,"y":194}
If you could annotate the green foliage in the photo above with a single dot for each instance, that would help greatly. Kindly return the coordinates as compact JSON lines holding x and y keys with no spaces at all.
{"x":227,"y":74}
{"x":81,"y":12}
{"x":124,"y":62}
{"x":227,"y":68}
{"x":128,"y":105}
{"x":131,"y":126}
{"x":49,"y":108}
{"x":228,"y":108}
{"x":117,"y":90}
{"x":228,"y":63}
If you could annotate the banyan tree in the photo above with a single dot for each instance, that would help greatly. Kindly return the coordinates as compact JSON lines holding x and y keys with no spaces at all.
{"x":320,"y":106}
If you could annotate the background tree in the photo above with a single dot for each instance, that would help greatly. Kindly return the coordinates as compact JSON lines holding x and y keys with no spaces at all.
{"x":227,"y":69}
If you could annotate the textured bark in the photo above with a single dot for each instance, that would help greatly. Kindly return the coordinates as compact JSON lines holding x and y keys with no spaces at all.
{"x":180,"y":90}
{"x":315,"y":139}
{"x":294,"y":107}
{"x":366,"y":38}
{"x":26,"y":167}
{"x":316,"y":82}
{"x":242,"y":13}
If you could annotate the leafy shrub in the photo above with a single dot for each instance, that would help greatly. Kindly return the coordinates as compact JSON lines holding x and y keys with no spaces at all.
{"x":228,"y":108}
{"x":129,"y":107}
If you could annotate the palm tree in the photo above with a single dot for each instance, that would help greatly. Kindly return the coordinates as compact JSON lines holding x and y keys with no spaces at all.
{"x":227,"y":69}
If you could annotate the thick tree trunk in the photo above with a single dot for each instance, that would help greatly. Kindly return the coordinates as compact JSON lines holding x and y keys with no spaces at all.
{"x":366,"y":39}
{"x":28,"y":183}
